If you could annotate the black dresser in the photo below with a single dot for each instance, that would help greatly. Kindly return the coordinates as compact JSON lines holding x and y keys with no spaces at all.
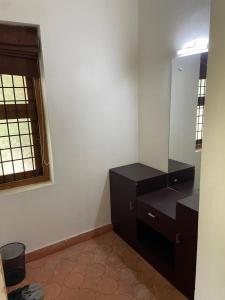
{"x":157,"y":214}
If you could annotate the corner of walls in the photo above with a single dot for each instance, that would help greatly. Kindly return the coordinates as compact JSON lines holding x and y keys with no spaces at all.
{"x":139,"y":81}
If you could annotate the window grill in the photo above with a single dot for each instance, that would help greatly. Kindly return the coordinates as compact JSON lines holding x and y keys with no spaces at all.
{"x":201,"y":101}
{"x":202,"y":88}
{"x":20,"y":151}
{"x":199,"y":127}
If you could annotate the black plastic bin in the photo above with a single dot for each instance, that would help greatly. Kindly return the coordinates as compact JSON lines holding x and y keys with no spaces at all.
{"x":13,"y":260}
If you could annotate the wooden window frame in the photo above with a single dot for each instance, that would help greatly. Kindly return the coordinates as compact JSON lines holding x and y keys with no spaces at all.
{"x":45,"y":177}
{"x":19,"y":55}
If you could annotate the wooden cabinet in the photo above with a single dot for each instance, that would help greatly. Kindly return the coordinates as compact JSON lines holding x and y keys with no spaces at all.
{"x":3,"y":294}
{"x":158,"y":210}
{"x":126,"y":183}
{"x":123,"y":213}
{"x":158,"y":221}
{"x":186,"y":249}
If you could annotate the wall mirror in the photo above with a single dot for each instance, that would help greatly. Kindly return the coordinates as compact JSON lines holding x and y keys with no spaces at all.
{"x":188,"y":90}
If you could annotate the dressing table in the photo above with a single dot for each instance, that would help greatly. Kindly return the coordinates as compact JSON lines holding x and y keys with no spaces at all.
{"x":156,"y":213}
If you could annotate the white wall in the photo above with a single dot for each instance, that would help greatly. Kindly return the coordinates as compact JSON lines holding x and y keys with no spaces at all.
{"x":211,"y":245}
{"x":183,"y":111}
{"x":165,"y":26}
{"x":90,"y":56}
{"x":90,"y":50}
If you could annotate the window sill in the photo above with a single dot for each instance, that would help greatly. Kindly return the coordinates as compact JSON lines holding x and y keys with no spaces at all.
{"x":11,"y":190}
{"x":198,"y":150}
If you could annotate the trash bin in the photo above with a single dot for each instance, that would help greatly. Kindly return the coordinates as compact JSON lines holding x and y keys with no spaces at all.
{"x":13,"y":260}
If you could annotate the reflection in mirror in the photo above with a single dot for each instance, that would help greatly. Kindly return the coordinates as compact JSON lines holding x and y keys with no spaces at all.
{"x":188,"y":89}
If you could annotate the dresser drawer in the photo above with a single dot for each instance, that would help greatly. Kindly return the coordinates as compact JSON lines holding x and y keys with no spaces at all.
{"x":157,"y":220}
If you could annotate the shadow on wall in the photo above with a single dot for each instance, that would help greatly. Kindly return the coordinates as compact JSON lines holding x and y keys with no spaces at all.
{"x":103,"y":215}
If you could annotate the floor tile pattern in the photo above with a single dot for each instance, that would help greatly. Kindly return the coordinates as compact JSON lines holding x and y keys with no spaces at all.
{"x":104,"y":268}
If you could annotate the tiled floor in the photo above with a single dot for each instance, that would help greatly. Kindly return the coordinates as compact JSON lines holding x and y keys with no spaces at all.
{"x":104,"y":268}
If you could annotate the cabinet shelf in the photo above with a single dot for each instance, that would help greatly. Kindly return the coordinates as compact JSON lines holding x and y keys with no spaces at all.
{"x":156,"y":247}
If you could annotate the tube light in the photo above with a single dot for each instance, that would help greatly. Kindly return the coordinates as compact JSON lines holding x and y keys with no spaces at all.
{"x":194,"y":47}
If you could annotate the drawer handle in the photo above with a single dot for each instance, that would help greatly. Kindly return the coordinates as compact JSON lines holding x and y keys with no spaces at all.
{"x":131,"y":205}
{"x":151,"y":215}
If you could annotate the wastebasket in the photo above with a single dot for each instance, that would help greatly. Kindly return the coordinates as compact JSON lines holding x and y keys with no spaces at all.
{"x":13,"y":260}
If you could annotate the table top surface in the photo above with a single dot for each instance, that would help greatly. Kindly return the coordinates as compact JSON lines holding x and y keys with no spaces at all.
{"x":167,"y":199}
{"x":174,"y":166}
{"x":191,"y":202}
{"x":186,"y":187}
{"x":164,"y":201}
{"x":137,"y":172}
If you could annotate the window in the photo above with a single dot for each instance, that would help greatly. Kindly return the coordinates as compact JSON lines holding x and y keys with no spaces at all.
{"x":201,"y":101}
{"x":23,"y":143}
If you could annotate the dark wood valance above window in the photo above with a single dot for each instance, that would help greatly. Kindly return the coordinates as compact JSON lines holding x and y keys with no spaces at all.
{"x":19,"y":49}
